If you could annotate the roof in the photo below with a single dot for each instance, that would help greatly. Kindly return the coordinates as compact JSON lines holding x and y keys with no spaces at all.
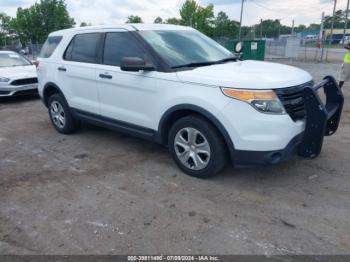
{"x":129,"y":27}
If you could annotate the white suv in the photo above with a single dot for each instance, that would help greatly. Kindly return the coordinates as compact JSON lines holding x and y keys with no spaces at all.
{"x":175,"y":86}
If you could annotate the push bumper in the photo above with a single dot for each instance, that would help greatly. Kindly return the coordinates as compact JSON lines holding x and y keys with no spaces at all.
{"x":321,"y":120}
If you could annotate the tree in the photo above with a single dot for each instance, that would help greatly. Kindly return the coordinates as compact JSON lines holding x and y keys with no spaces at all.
{"x":134,"y":19}
{"x":38,"y":21}
{"x":187,"y":12}
{"x":173,"y":21}
{"x":300,"y":28}
{"x":5,"y":29}
{"x":198,"y":17}
{"x":339,"y":20}
{"x":270,"y":28}
{"x":204,"y":19}
{"x":158,"y":20}
{"x":224,"y":27}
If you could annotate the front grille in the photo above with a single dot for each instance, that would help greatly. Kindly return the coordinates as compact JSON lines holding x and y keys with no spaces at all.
{"x":26,"y":92}
{"x":293,"y":100}
{"x":4,"y":92}
{"x":26,"y":81}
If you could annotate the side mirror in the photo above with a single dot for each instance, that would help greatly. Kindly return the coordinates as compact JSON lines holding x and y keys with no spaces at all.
{"x":239,"y":47}
{"x":135,"y":64}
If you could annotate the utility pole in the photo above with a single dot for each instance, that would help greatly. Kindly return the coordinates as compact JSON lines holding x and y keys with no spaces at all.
{"x":279,"y":28}
{"x":293,"y":26}
{"x":346,"y":21}
{"x":332,"y":27}
{"x":321,"y":36}
{"x":261,"y":28}
{"x":240,"y":23}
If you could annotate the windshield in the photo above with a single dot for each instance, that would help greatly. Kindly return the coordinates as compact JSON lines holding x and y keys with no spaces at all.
{"x":184,"y":47}
{"x":12,"y":59}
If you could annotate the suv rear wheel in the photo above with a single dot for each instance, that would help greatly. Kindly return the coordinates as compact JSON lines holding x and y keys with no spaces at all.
{"x":60,"y":115}
{"x":197,"y":147}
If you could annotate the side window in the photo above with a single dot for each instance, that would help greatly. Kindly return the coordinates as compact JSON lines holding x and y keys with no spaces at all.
{"x":84,"y":48}
{"x":50,"y":46}
{"x":68,"y":53}
{"x":120,"y":45}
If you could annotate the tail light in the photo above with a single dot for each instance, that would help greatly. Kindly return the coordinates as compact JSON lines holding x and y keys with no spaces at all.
{"x":36,"y":63}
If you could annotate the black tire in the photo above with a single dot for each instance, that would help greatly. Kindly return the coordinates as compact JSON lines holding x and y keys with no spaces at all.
{"x":70,"y":124}
{"x":218,"y":154}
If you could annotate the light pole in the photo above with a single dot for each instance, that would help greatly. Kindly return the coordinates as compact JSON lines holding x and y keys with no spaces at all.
{"x":279,"y":28}
{"x":322,"y":36}
{"x":332,"y":28}
{"x":346,"y":21}
{"x":240,"y":21}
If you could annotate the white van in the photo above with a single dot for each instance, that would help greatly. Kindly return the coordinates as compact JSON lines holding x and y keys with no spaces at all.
{"x":175,"y":86}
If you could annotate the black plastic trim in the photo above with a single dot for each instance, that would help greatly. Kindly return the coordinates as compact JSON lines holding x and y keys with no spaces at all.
{"x":163,"y":122}
{"x":321,"y":119}
{"x":255,"y":158}
{"x":48,"y":85}
{"x":24,"y":81}
{"x":26,"y":92}
{"x":120,"y":126}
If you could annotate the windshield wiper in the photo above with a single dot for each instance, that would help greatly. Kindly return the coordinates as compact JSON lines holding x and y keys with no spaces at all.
{"x":194,"y":64}
{"x":229,"y":59}
{"x":206,"y":63}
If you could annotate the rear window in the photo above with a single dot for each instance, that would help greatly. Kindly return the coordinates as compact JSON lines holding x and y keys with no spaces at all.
{"x":50,"y":46}
{"x":84,"y":48}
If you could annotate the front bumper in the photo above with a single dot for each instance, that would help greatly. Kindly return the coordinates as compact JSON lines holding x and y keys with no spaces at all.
{"x":321,"y":120}
{"x":9,"y":90}
{"x":254,"y":158}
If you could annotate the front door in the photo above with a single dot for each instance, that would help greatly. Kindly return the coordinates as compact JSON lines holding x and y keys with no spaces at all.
{"x":128,"y":97}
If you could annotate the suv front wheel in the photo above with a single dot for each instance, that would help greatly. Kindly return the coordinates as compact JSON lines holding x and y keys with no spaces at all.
{"x":60,"y":115}
{"x":197,"y":147}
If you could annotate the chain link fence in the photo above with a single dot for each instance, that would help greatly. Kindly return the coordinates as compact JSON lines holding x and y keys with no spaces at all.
{"x":305,"y":50}
{"x":299,"y":49}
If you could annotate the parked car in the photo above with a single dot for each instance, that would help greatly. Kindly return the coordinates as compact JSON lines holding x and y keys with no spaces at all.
{"x":173,"y":85}
{"x":17,"y":75}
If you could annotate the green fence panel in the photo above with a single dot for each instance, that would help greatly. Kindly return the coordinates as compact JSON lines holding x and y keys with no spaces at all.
{"x":252,"y":49}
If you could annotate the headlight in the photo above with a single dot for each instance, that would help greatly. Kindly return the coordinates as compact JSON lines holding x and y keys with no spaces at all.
{"x":264,"y":101}
{"x":4,"y":80}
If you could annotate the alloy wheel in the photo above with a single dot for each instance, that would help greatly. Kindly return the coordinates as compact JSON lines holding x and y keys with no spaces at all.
{"x":192,"y":148}
{"x":58,"y":114}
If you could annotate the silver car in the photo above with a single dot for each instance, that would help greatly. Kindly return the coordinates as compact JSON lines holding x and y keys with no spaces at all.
{"x":17,"y":75}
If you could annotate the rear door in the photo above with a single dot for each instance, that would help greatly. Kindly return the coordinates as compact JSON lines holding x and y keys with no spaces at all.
{"x":78,"y":69}
{"x":129,"y":97}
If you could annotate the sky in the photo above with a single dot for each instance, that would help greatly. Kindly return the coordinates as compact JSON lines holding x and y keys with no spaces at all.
{"x":99,"y":12}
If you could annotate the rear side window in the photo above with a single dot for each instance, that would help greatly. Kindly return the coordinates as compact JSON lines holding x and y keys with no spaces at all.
{"x":120,"y":45}
{"x":50,"y":46}
{"x":84,"y":48}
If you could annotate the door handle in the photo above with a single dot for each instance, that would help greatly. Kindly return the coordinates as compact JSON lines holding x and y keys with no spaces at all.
{"x":106,"y":76}
{"x":62,"y":68}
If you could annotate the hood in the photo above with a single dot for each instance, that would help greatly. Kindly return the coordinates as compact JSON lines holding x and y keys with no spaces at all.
{"x":18,"y":72}
{"x":247,"y":75}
